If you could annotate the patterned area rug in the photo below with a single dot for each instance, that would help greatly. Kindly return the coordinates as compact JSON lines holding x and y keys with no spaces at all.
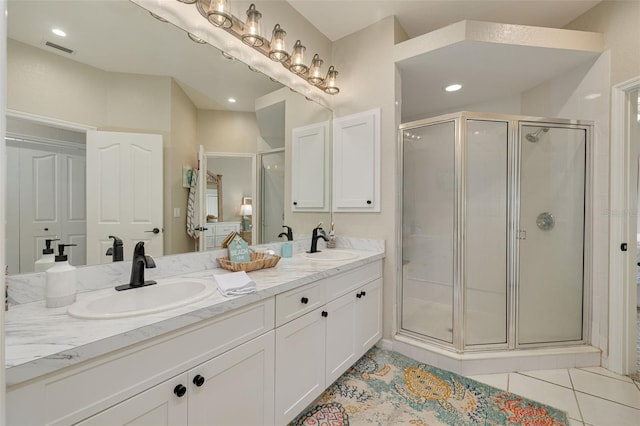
{"x":386,"y":388}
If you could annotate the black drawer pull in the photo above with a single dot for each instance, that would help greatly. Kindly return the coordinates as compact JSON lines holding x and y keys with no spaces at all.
{"x":180,"y":390}
{"x":198,"y":380}
{"x":304,"y":300}
{"x":325,"y":314}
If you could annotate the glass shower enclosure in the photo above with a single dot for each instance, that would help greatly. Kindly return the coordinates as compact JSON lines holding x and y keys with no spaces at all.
{"x":494,"y":231}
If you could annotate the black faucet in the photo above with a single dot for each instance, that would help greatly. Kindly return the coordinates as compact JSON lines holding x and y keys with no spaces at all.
{"x":288,"y":234}
{"x":318,"y":232}
{"x":116,"y":250}
{"x":139,"y":263}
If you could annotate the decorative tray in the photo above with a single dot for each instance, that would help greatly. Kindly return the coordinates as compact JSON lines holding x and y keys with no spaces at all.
{"x":258,"y":261}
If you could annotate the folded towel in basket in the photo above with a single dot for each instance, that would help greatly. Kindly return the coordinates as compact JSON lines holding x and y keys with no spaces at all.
{"x":235,"y":283}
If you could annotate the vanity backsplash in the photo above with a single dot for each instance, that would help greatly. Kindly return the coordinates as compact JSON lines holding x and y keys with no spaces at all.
{"x":27,"y":288}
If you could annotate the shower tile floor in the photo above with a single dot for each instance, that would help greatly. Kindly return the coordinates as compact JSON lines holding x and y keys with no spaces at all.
{"x":591,"y":396}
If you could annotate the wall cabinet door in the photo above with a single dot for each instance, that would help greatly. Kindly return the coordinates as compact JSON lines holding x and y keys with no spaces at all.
{"x":158,"y":406}
{"x":300,"y":364}
{"x":369,"y":316}
{"x":341,"y":336}
{"x":356,"y":162}
{"x":310,"y":168}
{"x":235,"y":388}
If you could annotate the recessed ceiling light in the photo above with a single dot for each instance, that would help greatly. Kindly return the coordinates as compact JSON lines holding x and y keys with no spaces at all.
{"x":232,"y":100}
{"x":59,"y":32}
{"x":453,"y":87}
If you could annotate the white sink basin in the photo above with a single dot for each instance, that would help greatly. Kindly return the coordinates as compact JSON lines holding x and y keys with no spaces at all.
{"x":331,"y":255}
{"x":167,"y":294}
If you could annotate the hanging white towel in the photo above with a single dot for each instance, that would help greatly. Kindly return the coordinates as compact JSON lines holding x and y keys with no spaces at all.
{"x":235,"y":283}
{"x":193,"y":207}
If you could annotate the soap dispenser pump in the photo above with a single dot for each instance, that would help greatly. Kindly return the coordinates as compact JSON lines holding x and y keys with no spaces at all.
{"x":61,"y":281}
{"x":48,"y":259}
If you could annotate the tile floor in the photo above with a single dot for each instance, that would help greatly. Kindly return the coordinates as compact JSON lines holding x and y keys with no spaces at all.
{"x":591,"y":396}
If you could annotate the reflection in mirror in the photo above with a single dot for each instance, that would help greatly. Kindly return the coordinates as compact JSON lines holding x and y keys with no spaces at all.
{"x":148,"y":77}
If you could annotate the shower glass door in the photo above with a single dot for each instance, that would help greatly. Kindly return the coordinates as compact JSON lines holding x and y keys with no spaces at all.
{"x":271,"y":196}
{"x":428,"y":230}
{"x":551,"y":234}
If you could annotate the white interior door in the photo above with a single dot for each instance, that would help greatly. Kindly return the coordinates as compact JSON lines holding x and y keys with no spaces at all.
{"x":124,"y":193}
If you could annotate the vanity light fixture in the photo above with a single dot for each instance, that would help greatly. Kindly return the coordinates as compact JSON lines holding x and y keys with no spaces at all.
{"x":196,"y":39}
{"x":218,"y":13}
{"x":453,"y":87}
{"x":252,"y":30}
{"x":278,"y":50}
{"x":297,"y":65}
{"x":315,"y":72}
{"x":59,"y":32}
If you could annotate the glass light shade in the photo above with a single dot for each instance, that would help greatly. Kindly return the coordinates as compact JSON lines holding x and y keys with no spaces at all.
{"x":315,"y":72}
{"x":187,"y":1}
{"x":278,"y":50}
{"x":252,"y":28}
{"x":246,"y":210}
{"x":297,"y":59}
{"x":196,"y":39}
{"x":218,"y":14}
{"x":330,"y":82}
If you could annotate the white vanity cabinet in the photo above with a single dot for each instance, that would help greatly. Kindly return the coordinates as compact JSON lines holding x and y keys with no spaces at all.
{"x":356,"y":162}
{"x":233,"y":353}
{"x":317,"y":347}
{"x":217,"y":231}
{"x":310,"y":168}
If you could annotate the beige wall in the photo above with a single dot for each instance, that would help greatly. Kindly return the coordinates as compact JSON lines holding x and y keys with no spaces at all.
{"x":182,"y":150}
{"x":227,"y":131}
{"x":367,"y":80}
{"x":619,"y":21}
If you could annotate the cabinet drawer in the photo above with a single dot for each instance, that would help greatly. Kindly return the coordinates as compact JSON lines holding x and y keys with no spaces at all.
{"x":225,"y":229}
{"x":76,"y":393}
{"x":348,"y":281}
{"x":294,"y":303}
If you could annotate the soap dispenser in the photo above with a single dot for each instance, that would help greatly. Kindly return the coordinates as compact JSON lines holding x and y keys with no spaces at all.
{"x":61,"y":281}
{"x":48,"y":259}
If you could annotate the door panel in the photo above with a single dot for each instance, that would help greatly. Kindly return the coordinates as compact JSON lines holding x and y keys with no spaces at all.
{"x":551,"y":255}
{"x":124,"y":193}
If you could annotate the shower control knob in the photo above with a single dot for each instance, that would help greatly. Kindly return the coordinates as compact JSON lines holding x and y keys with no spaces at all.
{"x":180,"y":390}
{"x":198,"y":380}
{"x":304,"y":300}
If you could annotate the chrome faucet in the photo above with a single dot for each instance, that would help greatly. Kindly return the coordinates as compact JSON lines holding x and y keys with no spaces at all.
{"x":288,"y":234}
{"x":139,"y":263}
{"x":318,"y":233}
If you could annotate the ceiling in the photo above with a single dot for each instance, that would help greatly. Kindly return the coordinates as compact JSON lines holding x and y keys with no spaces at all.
{"x":119,"y":36}
{"x":337,"y":19}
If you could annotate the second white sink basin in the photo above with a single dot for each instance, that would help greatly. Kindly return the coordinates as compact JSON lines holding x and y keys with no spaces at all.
{"x":165,"y":295}
{"x":332,"y":255}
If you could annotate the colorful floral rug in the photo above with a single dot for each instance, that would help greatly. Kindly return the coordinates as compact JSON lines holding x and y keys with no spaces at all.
{"x":386,"y":388}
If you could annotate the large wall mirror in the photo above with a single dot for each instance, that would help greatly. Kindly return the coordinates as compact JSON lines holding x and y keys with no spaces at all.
{"x":120,"y":70}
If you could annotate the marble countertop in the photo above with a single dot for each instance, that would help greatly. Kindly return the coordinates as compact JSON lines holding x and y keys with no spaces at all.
{"x":40,"y":340}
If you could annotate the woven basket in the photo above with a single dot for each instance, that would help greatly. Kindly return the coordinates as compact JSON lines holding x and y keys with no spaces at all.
{"x":258,"y":261}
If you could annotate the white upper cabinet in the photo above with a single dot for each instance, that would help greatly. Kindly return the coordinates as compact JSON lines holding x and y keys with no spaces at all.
{"x":310,"y":168}
{"x":356,"y":162}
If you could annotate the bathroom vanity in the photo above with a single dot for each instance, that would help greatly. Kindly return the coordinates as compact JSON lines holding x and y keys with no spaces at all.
{"x":254,"y":359}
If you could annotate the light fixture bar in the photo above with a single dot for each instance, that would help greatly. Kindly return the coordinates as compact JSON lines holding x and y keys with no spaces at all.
{"x":217,"y":12}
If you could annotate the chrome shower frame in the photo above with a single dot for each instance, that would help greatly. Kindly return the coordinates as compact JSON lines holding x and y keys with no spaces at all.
{"x":515,"y":124}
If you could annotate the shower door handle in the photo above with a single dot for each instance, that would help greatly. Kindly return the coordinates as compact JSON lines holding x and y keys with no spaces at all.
{"x":522,"y":234}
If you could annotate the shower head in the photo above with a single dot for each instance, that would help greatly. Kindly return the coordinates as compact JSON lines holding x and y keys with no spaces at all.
{"x":535,"y":137}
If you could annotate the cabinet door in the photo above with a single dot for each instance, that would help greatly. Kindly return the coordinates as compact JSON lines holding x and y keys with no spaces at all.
{"x":356,"y":162}
{"x":158,"y":406}
{"x":341,"y":336}
{"x":369,"y":316}
{"x":310,"y":168}
{"x":300,"y":364}
{"x":235,"y":388}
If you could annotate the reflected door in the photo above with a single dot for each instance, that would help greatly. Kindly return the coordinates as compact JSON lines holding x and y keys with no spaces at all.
{"x":271,"y":196}
{"x":551,"y":240}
